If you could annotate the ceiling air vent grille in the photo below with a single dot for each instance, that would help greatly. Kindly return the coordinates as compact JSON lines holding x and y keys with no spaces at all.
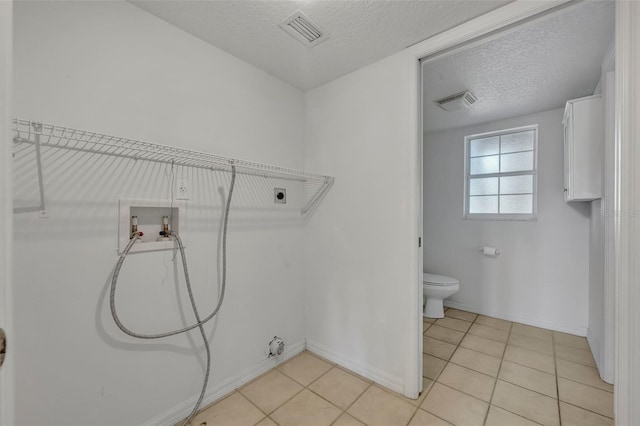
{"x":457,"y":101}
{"x":300,"y":27}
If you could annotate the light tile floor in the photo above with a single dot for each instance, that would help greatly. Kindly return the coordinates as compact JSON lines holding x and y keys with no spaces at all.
{"x":478,"y":370}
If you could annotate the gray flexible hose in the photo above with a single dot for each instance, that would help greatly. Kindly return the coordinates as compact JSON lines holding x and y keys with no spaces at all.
{"x":199,"y":323}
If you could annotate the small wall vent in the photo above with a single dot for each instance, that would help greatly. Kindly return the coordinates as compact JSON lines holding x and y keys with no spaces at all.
{"x":457,"y":101}
{"x":300,"y":27}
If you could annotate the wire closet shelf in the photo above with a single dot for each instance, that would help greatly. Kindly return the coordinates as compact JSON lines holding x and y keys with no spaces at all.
{"x":53,"y":136}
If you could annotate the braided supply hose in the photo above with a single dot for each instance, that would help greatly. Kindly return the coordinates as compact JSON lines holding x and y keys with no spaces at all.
{"x":199,"y":322}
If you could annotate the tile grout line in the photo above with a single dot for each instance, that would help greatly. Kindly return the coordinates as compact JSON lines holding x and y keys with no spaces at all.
{"x":237,"y":390}
{"x":333,"y":366}
{"x":555,"y":364}
{"x":542,"y":394}
{"x":553,"y":357}
{"x":414,"y":414}
{"x":499,"y":368}
{"x":527,"y":389}
{"x":277,"y":368}
{"x":370,"y":383}
{"x":435,"y":380}
{"x":449,"y":360}
{"x":590,"y":411}
{"x":522,"y":387}
{"x":495,"y":384}
{"x":506,"y":344}
{"x":555,"y":367}
{"x":426,"y":392}
{"x":250,"y":402}
{"x":353,"y":402}
{"x":457,"y":344}
{"x":583,"y":384}
{"x":417,"y":405}
{"x":528,"y":366}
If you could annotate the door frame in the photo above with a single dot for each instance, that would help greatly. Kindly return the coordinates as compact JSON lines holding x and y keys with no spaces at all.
{"x":484,"y":25}
{"x":627,"y":212}
{"x":627,"y":203}
{"x":607,"y":344}
{"x":6,"y":209}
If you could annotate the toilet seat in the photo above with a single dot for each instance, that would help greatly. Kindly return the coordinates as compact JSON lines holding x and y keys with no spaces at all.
{"x":438,"y":280}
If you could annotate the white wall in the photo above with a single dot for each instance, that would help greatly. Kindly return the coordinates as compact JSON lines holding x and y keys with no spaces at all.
{"x":541,"y":275}
{"x":361,"y":257}
{"x":359,"y":249}
{"x":112,"y":68}
{"x":360,"y":295}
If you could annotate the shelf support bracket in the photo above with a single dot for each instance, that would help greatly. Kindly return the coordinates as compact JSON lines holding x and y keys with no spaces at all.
{"x":328,"y":183}
{"x":41,"y":209}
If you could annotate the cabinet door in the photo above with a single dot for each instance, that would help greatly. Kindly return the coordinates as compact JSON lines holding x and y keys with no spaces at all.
{"x":583,"y":139}
{"x":568,"y":124}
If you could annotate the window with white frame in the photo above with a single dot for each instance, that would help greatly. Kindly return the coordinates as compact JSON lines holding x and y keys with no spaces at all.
{"x":500,"y":169}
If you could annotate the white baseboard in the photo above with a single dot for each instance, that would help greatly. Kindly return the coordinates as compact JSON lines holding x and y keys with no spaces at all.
{"x":182,"y":410}
{"x":381,"y":377}
{"x":565,"y":328}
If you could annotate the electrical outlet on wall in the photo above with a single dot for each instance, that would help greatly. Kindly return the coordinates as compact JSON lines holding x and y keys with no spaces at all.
{"x":280,"y":195}
{"x":183,"y":189}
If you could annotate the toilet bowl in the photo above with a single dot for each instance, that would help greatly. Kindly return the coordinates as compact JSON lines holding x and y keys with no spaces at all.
{"x":436,"y":288}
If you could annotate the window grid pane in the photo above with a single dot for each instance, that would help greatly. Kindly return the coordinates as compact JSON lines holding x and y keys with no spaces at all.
{"x":484,"y":186}
{"x":516,"y":204}
{"x":483,"y":204}
{"x":522,"y":184}
{"x":484,"y":146}
{"x":516,"y":162}
{"x":516,"y":142}
{"x":498,"y":194}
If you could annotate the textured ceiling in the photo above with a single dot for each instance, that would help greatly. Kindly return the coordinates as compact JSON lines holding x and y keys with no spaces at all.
{"x":361,"y":32}
{"x":536,"y":67}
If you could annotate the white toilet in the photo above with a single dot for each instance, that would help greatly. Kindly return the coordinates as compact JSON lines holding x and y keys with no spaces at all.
{"x":436,"y":288}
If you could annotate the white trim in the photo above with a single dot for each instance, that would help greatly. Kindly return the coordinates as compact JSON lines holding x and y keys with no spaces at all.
{"x":497,"y":19}
{"x":501,"y":217}
{"x":381,"y":377}
{"x":7,"y":379}
{"x":412,"y":383}
{"x":564,"y":328}
{"x":180,"y":411}
{"x":606,"y":363}
{"x":627,"y":212}
{"x":420,"y":211}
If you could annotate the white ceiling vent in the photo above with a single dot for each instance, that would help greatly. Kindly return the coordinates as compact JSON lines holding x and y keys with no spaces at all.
{"x":457,"y":101}
{"x":300,"y":27}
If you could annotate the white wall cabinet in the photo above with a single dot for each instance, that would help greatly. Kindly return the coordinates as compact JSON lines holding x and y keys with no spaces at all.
{"x":583,"y":148}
